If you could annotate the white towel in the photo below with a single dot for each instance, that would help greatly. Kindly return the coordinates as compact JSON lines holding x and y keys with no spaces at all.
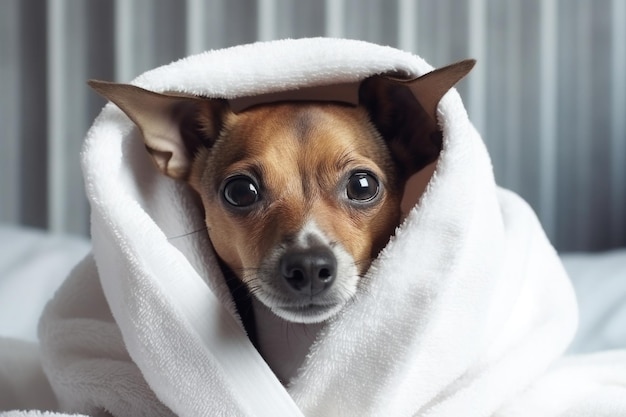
{"x":466,"y":312}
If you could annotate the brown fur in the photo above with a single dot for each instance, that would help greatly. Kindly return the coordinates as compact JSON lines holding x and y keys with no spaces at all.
{"x":303,"y":153}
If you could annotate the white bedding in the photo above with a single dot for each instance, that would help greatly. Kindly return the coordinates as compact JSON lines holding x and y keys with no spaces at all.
{"x":600,"y":283}
{"x":33,"y":264}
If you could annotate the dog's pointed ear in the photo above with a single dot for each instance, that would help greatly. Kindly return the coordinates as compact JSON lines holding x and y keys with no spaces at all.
{"x":174,"y":126}
{"x":405,"y":113}
{"x":431,"y":87}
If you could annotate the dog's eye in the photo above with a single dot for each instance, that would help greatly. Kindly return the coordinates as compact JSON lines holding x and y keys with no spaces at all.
{"x":362,"y":187}
{"x":241,"y":192}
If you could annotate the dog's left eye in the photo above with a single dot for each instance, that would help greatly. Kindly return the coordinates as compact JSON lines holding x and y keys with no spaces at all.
{"x":241,"y":192}
{"x":362,"y":187}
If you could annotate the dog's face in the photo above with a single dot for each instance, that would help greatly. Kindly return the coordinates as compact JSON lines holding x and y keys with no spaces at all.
{"x":298,"y":197}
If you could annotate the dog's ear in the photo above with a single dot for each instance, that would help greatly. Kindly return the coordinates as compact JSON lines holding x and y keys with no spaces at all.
{"x":405,"y":113}
{"x":174,"y":126}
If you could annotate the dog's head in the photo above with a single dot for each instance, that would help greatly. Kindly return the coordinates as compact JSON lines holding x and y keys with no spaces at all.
{"x":299,"y":196}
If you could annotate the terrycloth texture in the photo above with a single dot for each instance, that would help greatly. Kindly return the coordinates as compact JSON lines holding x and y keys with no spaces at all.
{"x":465,"y":310}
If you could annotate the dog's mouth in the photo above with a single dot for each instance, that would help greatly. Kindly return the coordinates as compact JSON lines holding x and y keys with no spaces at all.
{"x":298,"y":308}
{"x":307,"y":313}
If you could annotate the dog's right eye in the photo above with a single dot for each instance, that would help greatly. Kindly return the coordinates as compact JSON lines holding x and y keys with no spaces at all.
{"x":362,"y":187}
{"x":241,"y":192}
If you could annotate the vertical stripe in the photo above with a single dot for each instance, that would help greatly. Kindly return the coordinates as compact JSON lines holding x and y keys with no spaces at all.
{"x":66,"y":107}
{"x":57,"y":115}
{"x":442,"y":34}
{"x":548,"y":27}
{"x":582,"y":123}
{"x":512,"y":171}
{"x":266,"y":20}
{"x":10,"y":103}
{"x":334,"y":18}
{"x":477,"y":82}
{"x":124,"y":47}
{"x":617,"y":153}
{"x":196,"y":15}
{"x":407,"y":25}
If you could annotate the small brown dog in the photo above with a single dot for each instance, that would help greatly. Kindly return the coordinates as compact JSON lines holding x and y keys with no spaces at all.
{"x":299,"y":196}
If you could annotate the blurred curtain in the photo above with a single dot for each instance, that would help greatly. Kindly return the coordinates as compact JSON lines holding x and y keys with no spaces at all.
{"x":548,"y":93}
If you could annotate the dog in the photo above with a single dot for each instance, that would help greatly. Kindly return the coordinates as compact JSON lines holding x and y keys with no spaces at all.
{"x":300,"y":194}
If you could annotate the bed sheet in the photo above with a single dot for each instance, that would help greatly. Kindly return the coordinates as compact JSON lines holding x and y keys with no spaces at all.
{"x":600,"y":283}
{"x":33,"y":264}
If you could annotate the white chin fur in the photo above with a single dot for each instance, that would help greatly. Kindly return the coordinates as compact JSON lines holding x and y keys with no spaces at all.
{"x":307,"y":315}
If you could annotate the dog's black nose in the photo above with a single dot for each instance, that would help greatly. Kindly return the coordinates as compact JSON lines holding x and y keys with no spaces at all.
{"x":309,"y":272}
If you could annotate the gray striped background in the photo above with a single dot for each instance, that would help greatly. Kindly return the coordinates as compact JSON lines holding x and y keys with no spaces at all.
{"x":548,"y":94}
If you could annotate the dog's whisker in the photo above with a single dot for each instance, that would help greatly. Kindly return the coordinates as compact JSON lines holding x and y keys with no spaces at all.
{"x":204,"y":229}
{"x":285,"y":328}
{"x":364,"y":261}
